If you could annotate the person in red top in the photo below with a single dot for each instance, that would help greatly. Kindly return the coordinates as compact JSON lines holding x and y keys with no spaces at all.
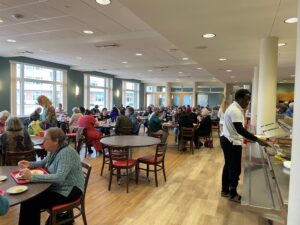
{"x":93,"y":136}
{"x":188,"y":109}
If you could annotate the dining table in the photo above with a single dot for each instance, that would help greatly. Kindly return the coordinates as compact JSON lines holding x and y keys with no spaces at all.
{"x":33,"y":190}
{"x":129,"y":141}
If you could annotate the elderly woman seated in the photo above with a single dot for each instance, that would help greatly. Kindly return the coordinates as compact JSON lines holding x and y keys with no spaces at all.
{"x":155,"y":126}
{"x":64,"y":167}
{"x":74,"y":119}
{"x":15,"y":138}
{"x":204,"y":127}
{"x":3,"y":117}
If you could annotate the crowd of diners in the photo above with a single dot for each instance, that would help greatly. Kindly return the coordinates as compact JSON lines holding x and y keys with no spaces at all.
{"x":63,"y":163}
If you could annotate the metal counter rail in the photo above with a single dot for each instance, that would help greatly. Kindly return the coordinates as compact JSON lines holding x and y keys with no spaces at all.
{"x":260,"y":194}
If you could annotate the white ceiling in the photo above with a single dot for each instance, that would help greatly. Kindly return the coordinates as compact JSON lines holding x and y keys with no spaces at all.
{"x":52,"y":30}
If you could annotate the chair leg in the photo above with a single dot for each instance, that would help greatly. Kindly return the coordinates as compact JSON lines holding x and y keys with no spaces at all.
{"x":103,"y":162}
{"x":137,"y":170}
{"x":164,"y":172}
{"x":53,"y":218}
{"x":127,"y":179}
{"x":192,"y":147}
{"x":83,"y":214}
{"x":155,"y":173}
{"x":148,"y":170}
{"x":86,"y":150}
{"x":110,"y":178}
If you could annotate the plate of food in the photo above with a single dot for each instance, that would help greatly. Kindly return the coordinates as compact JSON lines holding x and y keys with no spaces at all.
{"x":17,"y":189}
{"x":37,"y":172}
{"x":3,"y":178}
{"x":287,"y":164}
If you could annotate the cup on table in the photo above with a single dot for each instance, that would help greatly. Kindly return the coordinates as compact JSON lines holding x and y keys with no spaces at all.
{"x":41,"y":134}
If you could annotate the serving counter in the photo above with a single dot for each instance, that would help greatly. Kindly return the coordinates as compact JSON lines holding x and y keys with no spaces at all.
{"x":266,"y":185}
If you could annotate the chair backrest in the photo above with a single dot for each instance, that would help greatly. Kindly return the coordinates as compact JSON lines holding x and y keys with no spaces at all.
{"x":187,"y":133}
{"x":12,"y":158}
{"x":80,"y":138}
{"x":125,"y":131}
{"x":86,"y":169}
{"x":138,"y":130}
{"x":160,"y":153}
{"x":118,"y":154}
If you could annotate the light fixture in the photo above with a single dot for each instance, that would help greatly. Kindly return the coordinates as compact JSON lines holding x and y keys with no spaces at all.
{"x":88,"y":31}
{"x":222,"y":59}
{"x":159,"y":96}
{"x":228,"y":71}
{"x":1,"y":21}
{"x":185,"y":59}
{"x":138,"y":54}
{"x":281,"y":44}
{"x":11,"y":40}
{"x":117,"y":92}
{"x":76,"y":90}
{"x":292,"y":75}
{"x":235,"y":81}
{"x":232,"y":77}
{"x":291,"y":20}
{"x":208,"y":35}
{"x":103,"y":2}
{"x":172,"y":96}
{"x":149,"y":70}
{"x":124,"y":62}
{"x":179,"y":72}
{"x":78,"y":57}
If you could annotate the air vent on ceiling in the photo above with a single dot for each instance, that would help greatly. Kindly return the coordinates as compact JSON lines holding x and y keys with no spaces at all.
{"x":172,"y":50}
{"x":25,"y":52}
{"x":18,"y":16}
{"x":161,"y":67}
{"x":202,"y":47}
{"x":106,"y":45}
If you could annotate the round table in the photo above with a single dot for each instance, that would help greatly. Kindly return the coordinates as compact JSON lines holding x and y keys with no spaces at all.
{"x":130,"y":141}
{"x":33,"y":188}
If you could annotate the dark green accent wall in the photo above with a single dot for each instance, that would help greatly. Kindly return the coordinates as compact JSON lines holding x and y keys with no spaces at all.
{"x":74,"y":78}
{"x":4,"y":84}
{"x":289,"y":87}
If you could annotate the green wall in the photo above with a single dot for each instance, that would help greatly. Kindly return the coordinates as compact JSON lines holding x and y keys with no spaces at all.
{"x":74,"y":78}
{"x":288,"y":87}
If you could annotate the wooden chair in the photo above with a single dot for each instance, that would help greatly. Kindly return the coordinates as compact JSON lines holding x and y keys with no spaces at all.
{"x":138,"y":130}
{"x":119,"y":159}
{"x":71,"y":135}
{"x":12,"y":158}
{"x":150,"y":134}
{"x":187,"y":134}
{"x":105,"y":155}
{"x":81,"y":139}
{"x":215,"y":125}
{"x":79,"y":204}
{"x":157,"y":161}
{"x":125,"y":131}
{"x":205,"y":138}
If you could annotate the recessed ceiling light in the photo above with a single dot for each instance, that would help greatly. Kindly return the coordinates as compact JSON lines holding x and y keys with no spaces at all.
{"x":149,"y":70}
{"x":292,"y":75}
{"x":208,"y":35}
{"x":88,"y":31}
{"x":138,"y":54}
{"x":185,"y":59}
{"x":284,"y":80}
{"x":291,"y":20}
{"x":235,"y":81}
{"x":281,"y":44}
{"x":11,"y":40}
{"x":228,"y":71}
{"x":199,"y":68}
{"x":222,"y":59}
{"x":1,"y":21}
{"x":232,"y":77}
{"x":103,"y":2}
{"x":78,"y":57}
{"x":179,"y":72}
{"x":124,"y":62}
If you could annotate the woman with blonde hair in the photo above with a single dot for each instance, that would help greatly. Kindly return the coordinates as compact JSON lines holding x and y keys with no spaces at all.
{"x":3,"y":117}
{"x":49,"y":115}
{"x":221,"y":114}
{"x":204,"y":127}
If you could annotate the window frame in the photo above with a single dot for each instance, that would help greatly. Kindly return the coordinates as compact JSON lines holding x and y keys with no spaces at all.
{"x":23,"y":80}
{"x":136,"y":92}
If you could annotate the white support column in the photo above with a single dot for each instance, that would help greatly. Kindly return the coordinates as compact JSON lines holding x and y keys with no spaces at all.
{"x":294,"y":197}
{"x":168,"y":93}
{"x":195,"y":87}
{"x":254,"y":95}
{"x":267,"y":82}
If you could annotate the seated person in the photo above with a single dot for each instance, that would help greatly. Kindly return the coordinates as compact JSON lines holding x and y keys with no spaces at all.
{"x":65,"y":173}
{"x":93,"y":136}
{"x":15,"y":138}
{"x":184,"y":121}
{"x":204,"y":127}
{"x":155,"y":126}
{"x":147,"y":114}
{"x":123,"y":124}
{"x":59,"y":109}
{"x":3,"y":117}
{"x":290,"y":111}
{"x":114,"y":114}
{"x":74,"y":119}
{"x":36,"y":115}
{"x":104,"y":116}
{"x":96,"y":110}
{"x":4,"y":205}
{"x":130,"y":113}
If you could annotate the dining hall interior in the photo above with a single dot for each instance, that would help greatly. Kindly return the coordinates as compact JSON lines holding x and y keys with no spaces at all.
{"x":118,"y":111}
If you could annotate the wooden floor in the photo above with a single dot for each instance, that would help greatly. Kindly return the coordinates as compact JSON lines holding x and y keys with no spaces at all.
{"x":190,"y":196}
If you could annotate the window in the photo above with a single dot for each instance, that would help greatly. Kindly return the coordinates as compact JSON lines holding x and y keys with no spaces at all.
{"x":131,"y":93}
{"x":31,"y":81}
{"x":156,"y":95}
{"x":98,"y":91}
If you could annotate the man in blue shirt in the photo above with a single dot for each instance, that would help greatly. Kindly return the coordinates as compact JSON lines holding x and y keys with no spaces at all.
{"x":133,"y":119}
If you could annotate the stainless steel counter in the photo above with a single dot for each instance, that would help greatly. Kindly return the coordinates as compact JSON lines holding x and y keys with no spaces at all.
{"x":266,"y":184}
